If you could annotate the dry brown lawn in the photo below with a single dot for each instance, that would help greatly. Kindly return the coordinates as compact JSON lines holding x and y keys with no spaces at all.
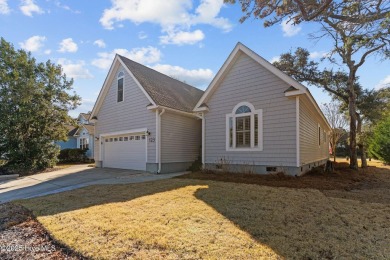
{"x":208,"y":219}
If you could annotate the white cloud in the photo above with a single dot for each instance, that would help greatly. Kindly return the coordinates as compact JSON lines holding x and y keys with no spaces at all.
{"x":100,"y":43}
{"x":4,"y":9}
{"x":47,"y":52}
{"x":207,"y":13}
{"x":274,"y":59}
{"x":66,"y":7}
{"x":145,"y":55}
{"x":68,"y":45}
{"x":33,"y":44}
{"x":165,"y":13}
{"x":142,"y":35}
{"x":289,"y":29}
{"x":171,"y":15}
{"x":196,"y":77}
{"x":28,"y":7}
{"x":318,"y":54}
{"x":75,"y":70}
{"x":383,"y":83}
{"x":181,"y":37}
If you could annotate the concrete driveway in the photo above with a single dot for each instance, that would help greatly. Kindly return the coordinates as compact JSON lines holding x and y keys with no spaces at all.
{"x":74,"y":177}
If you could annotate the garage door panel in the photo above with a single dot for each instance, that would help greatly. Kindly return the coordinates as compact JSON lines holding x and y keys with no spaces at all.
{"x":125,"y":152}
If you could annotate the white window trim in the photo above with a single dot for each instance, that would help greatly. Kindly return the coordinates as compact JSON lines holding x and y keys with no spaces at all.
{"x":83,"y":141}
{"x":123,"y":87}
{"x":233,"y":115}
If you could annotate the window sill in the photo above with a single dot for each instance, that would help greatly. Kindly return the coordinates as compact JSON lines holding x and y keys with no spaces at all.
{"x":246,"y":149}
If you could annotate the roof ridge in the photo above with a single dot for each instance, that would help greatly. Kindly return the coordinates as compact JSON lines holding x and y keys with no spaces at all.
{"x":165,"y":75}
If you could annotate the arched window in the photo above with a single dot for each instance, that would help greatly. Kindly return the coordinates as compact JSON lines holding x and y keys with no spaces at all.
{"x":120,"y":77}
{"x":244,"y":128}
{"x":243,"y":109}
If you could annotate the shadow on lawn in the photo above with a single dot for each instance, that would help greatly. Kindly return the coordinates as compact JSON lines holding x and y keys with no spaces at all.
{"x":303,"y":224}
{"x":97,"y":195}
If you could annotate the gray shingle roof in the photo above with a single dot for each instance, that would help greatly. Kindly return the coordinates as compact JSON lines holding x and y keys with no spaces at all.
{"x":164,"y":90}
{"x":71,"y":129}
{"x":90,"y":129}
{"x":86,"y":115}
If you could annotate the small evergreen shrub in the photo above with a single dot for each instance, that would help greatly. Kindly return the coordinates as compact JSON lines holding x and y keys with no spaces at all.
{"x":73,"y":155}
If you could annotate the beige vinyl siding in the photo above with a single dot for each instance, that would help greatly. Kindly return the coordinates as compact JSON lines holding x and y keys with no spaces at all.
{"x":180,"y":138}
{"x":310,"y":151}
{"x":129,"y":114}
{"x":249,"y":81}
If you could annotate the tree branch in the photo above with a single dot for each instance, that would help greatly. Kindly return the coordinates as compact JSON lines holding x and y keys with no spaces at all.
{"x":360,"y":19}
{"x":304,"y":14}
{"x":363,"y":58}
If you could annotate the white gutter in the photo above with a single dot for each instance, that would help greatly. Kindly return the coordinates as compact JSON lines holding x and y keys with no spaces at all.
{"x":173,"y":110}
{"x":159,"y":139}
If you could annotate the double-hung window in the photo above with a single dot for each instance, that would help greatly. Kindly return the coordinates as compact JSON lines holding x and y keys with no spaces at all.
{"x":244,"y":128}
{"x":120,"y":86}
{"x":84,"y":143}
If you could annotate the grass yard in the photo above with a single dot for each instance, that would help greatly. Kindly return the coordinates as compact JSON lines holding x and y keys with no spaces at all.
{"x":189,"y":218}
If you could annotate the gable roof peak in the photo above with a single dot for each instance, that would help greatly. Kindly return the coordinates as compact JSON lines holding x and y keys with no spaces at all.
{"x":162,"y":89}
{"x":240,"y":47}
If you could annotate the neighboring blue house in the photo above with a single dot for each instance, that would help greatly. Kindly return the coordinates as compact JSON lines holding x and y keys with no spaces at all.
{"x":80,"y":136}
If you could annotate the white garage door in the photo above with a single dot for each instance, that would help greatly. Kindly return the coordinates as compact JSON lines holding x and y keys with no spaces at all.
{"x":125,"y":152}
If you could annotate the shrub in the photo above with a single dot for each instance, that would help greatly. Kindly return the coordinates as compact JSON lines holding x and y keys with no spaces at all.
{"x":380,"y":145}
{"x":35,"y":159}
{"x":73,"y":155}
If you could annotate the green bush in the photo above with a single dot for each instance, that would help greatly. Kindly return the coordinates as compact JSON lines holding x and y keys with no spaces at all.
{"x":380,"y":142}
{"x":35,"y":98}
{"x":37,"y":158}
{"x":73,"y":155}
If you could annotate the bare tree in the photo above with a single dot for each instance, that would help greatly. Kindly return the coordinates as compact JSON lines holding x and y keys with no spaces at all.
{"x":337,"y":121}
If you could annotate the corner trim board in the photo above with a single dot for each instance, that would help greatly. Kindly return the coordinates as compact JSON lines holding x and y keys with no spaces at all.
{"x":298,"y":132}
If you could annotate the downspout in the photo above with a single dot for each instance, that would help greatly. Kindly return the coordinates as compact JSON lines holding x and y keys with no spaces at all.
{"x":203,"y":139}
{"x":159,"y":140}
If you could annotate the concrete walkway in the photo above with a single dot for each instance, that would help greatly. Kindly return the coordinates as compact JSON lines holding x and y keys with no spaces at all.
{"x":74,"y":177}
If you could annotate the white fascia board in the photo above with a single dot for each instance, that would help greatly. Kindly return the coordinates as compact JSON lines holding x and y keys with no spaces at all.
{"x":319,"y":111}
{"x":301,"y":89}
{"x":106,"y":86}
{"x":136,"y":81}
{"x":189,"y":114}
{"x":294,"y":93}
{"x":218,"y":76}
{"x":283,"y":76}
{"x":201,"y":109}
{"x":152,"y":107}
{"x":87,"y":130}
{"x":267,"y":65}
{"x":104,"y":89}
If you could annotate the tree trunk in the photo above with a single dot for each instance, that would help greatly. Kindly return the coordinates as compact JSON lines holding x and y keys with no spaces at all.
{"x":361,"y":145}
{"x":363,"y":156}
{"x":353,"y":164}
{"x":334,"y":153}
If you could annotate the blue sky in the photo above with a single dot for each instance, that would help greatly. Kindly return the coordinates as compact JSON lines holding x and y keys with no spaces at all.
{"x":186,"y":39}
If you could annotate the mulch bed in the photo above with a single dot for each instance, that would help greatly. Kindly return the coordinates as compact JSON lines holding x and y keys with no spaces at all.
{"x":342,"y":178}
{"x":23,"y":237}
